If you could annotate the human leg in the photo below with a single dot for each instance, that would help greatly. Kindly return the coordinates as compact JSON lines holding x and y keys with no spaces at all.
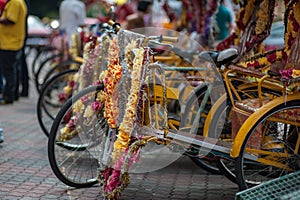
{"x":24,"y":75}
{"x":8,"y":63}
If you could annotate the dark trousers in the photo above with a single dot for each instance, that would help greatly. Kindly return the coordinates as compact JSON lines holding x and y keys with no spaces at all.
{"x":24,"y":77}
{"x":8,"y":66}
{"x":1,"y":83}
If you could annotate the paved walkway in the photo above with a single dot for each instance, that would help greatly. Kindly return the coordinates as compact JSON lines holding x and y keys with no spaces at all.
{"x":25,"y":172}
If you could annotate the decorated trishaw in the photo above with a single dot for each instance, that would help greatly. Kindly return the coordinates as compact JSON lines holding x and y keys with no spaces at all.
{"x":237,"y":113}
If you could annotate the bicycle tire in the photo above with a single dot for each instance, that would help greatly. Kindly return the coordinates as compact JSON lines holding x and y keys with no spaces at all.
{"x":39,"y":56}
{"x":45,"y":72}
{"x":73,"y":164}
{"x":46,"y":107}
{"x":252,"y":173}
{"x":61,"y":66}
{"x":42,"y":64}
{"x":227,"y":165}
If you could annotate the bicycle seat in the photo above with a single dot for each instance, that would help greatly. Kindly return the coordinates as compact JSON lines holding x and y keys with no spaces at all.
{"x":220,"y":58}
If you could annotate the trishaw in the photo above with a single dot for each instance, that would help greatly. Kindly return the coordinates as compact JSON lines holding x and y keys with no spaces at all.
{"x":106,"y":131}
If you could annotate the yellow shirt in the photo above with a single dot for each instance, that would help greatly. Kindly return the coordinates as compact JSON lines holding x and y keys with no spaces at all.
{"x":12,"y":36}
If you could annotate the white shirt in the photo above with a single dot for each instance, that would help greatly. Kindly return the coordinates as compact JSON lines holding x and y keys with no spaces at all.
{"x":72,"y":14}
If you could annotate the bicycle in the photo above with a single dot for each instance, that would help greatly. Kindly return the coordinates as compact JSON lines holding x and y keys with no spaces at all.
{"x":57,"y":89}
{"x":180,"y":142}
{"x":162,"y":97}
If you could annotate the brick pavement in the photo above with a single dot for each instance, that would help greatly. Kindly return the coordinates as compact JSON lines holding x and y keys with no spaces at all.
{"x":25,"y":172}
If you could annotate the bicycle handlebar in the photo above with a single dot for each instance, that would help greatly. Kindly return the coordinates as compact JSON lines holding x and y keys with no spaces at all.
{"x":161,"y":38}
{"x":115,"y":25}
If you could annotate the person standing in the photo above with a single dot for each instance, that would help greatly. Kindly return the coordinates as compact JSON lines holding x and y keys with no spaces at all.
{"x":72,"y":14}
{"x":12,"y":35}
{"x":2,"y":5}
{"x":224,"y":21}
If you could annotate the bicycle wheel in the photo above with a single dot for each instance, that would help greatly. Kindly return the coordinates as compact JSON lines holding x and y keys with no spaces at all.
{"x":49,"y":102}
{"x":220,"y":127}
{"x":42,"y":56}
{"x":207,"y":163}
{"x":49,"y":69}
{"x":73,"y":159}
{"x":271,"y":147}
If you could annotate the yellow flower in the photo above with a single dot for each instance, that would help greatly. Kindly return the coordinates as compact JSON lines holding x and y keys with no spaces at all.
{"x":101,"y":96}
{"x":65,"y":130}
{"x":296,"y":73}
{"x":103,"y":75}
{"x":67,"y":89}
{"x":296,"y":12}
{"x":262,"y":17}
{"x":88,"y":112}
{"x":78,"y":107}
{"x":76,"y":77}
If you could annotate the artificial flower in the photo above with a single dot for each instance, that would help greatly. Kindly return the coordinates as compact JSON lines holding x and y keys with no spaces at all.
{"x":296,"y":73}
{"x":88,"y":112}
{"x":96,"y":105}
{"x":286,"y":73}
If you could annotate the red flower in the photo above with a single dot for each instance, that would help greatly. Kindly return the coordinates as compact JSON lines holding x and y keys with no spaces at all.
{"x":272,"y":57}
{"x":71,"y":124}
{"x":256,"y":64}
{"x":107,"y":172}
{"x":62,"y":97}
{"x":71,"y":83}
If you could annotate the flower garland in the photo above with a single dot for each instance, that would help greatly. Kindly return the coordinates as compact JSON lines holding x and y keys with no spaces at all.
{"x":262,"y":17}
{"x":84,"y":109}
{"x":68,"y":89}
{"x":263,"y":61}
{"x":126,"y":125}
{"x":291,"y":37}
{"x":114,"y":179}
{"x":112,"y":76}
{"x":82,"y":78}
{"x":249,"y":32}
{"x":81,"y":109}
{"x":90,"y":63}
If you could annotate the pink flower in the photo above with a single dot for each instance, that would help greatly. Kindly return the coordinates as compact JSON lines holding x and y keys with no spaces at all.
{"x":71,"y":123}
{"x":286,"y":73}
{"x":98,"y":82}
{"x":105,"y":81}
{"x":114,"y":181}
{"x":96,"y":105}
{"x":84,"y":99}
{"x":107,"y":172}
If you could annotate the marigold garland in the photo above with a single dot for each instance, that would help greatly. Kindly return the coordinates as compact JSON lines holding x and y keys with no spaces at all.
{"x":113,"y":75}
{"x":262,"y":17}
{"x":249,"y":32}
{"x":114,"y":180}
{"x":263,"y":61}
{"x":291,"y":37}
{"x":126,"y":125}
